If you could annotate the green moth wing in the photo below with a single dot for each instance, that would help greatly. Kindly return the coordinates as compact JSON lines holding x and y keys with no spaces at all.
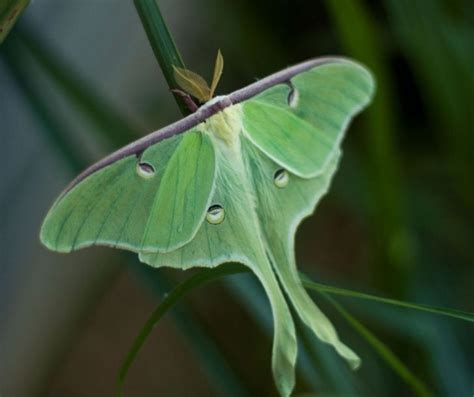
{"x":301,"y":126}
{"x":275,"y":181}
{"x":146,"y":202}
{"x":236,"y":236}
{"x":286,"y":200}
{"x":183,"y":197}
{"x":231,"y":182}
{"x":260,"y":217}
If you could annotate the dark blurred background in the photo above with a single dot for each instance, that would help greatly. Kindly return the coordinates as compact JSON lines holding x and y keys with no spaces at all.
{"x":78,"y":79}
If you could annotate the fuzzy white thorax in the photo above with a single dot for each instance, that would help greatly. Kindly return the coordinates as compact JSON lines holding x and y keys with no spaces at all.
{"x":224,"y":126}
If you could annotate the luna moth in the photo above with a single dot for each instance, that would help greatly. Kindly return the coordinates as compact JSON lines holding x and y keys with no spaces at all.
{"x":229,"y":183}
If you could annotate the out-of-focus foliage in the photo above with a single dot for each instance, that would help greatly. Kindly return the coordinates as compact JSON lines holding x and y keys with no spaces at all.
{"x":10,"y":10}
{"x":398,"y":221}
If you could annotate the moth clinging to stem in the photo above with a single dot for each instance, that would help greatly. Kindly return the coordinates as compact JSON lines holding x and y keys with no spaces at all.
{"x":229,"y":183}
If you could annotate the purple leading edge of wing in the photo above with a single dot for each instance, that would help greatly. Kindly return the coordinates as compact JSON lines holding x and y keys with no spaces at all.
{"x":202,"y":114}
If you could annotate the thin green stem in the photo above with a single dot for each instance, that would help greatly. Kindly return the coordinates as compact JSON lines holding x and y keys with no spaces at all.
{"x":211,"y":275}
{"x":459,"y":314}
{"x":171,"y":299}
{"x":417,"y":385}
{"x":162,"y":43}
{"x":10,"y":11}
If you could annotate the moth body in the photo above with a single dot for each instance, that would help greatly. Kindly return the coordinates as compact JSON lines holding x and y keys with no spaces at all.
{"x":225,"y":125}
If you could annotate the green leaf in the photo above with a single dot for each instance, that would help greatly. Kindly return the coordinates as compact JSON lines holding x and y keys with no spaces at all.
{"x":179,"y":292}
{"x":220,"y":373}
{"x":10,"y":10}
{"x":459,"y":314}
{"x":384,"y":352}
{"x":218,"y":68}
{"x":211,"y":275}
{"x":192,"y":83}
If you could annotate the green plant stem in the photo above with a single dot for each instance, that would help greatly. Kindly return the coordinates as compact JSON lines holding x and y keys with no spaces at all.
{"x":162,"y":43}
{"x":210,"y":275}
{"x":220,"y":373}
{"x":10,"y":11}
{"x":459,"y":314}
{"x":418,"y":387}
{"x":171,"y":299}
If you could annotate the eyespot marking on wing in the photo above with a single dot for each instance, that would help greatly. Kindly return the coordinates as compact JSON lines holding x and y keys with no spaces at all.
{"x":281,"y":178}
{"x":293,"y":95}
{"x":215,"y":214}
{"x":145,"y":170}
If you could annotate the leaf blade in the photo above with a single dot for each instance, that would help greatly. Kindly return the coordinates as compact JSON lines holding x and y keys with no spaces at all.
{"x":454,"y":313}
{"x":9,"y":13}
{"x":180,"y":291}
{"x":218,"y":68}
{"x":192,"y":83}
{"x":214,"y":274}
{"x":416,"y":384}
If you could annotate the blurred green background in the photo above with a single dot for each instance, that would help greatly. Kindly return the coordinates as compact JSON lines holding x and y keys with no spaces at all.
{"x":78,"y":79}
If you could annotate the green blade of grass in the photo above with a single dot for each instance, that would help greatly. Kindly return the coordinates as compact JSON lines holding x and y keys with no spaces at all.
{"x":318,"y":367}
{"x":220,"y":373}
{"x":322,"y":361}
{"x":211,"y":275}
{"x":459,"y":314}
{"x":247,"y":293}
{"x":10,"y":11}
{"x":417,"y":385}
{"x":179,"y":292}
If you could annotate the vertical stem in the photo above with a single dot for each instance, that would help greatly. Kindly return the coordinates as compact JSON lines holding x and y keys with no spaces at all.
{"x":162,"y":43}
